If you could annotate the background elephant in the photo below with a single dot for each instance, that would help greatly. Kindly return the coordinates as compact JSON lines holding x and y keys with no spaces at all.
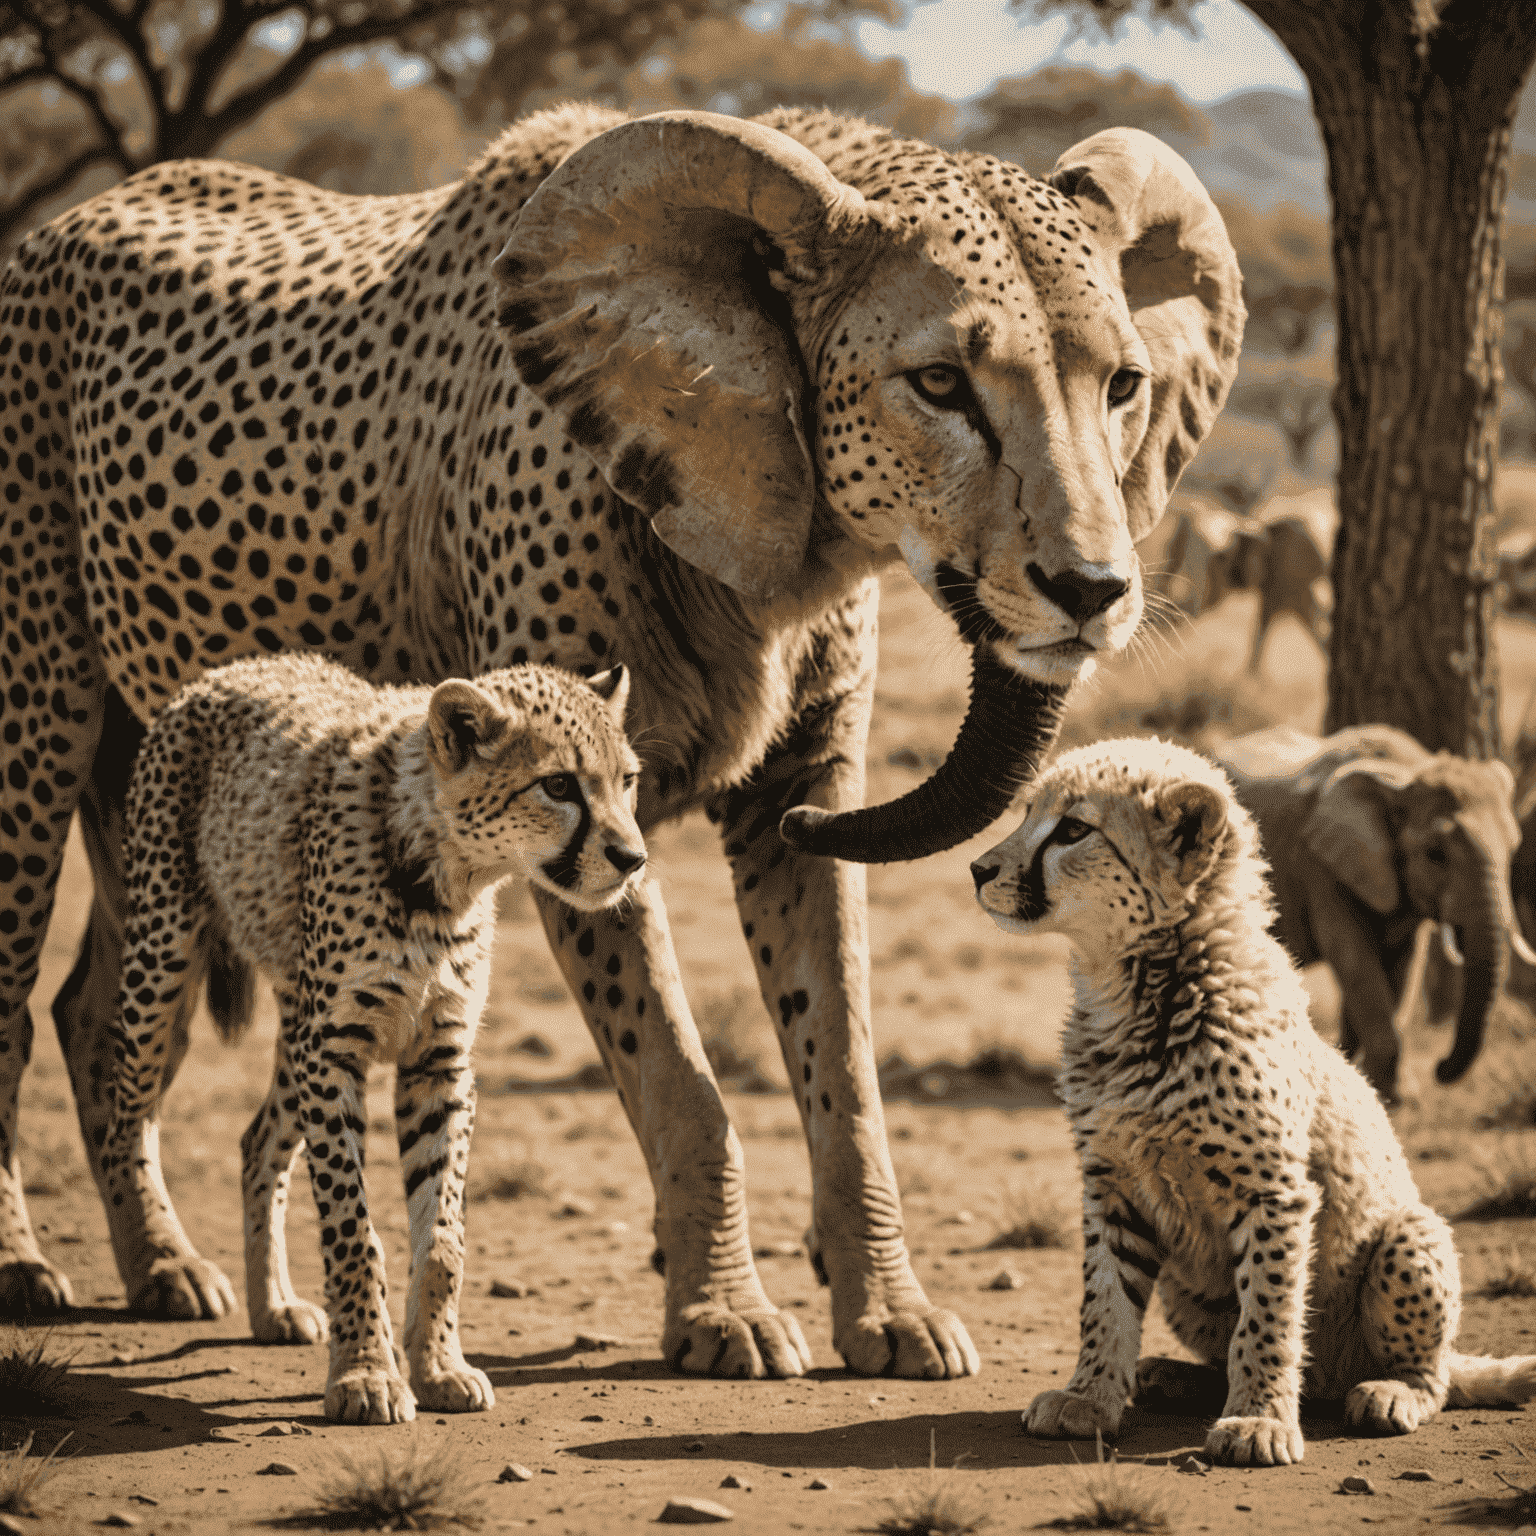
{"x":1368,"y":835}
{"x":1200,"y":553}
{"x":1294,"y":545}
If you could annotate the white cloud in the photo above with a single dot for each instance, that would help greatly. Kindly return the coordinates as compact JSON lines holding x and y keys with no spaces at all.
{"x":957,"y":48}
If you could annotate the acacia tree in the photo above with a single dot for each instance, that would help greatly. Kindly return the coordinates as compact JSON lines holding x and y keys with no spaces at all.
{"x":1415,"y":100}
{"x":128,"y":83}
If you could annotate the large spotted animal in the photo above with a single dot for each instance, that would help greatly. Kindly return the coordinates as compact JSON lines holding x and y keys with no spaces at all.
{"x":1230,"y":1157}
{"x":348,"y":841}
{"x":669,"y":392}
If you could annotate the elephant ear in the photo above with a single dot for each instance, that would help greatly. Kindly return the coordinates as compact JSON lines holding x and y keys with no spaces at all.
{"x":641,"y":284}
{"x":1350,"y":832}
{"x":1182,"y":286}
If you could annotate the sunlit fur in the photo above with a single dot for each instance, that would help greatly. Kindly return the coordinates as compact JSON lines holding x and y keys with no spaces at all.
{"x":1229,"y":1155}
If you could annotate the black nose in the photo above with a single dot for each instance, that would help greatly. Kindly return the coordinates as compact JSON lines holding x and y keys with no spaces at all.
{"x":623,"y":859}
{"x":981,"y":873}
{"x":1076,"y":593}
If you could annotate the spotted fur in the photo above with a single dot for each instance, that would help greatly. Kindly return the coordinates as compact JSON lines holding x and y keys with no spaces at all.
{"x":1229,"y":1156}
{"x":349,"y":841}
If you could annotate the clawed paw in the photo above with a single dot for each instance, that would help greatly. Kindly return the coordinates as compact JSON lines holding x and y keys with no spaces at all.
{"x":295,"y":1322}
{"x":453,"y":1389}
{"x":1389,"y":1407}
{"x":922,"y":1346}
{"x":368,"y":1395}
{"x":1061,"y":1415}
{"x":1255,"y":1442}
{"x":33,"y":1288}
{"x":710,"y":1340}
{"x":185,"y":1289}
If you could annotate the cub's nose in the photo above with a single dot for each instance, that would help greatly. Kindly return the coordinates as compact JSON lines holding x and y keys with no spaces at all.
{"x":981,"y":873}
{"x":623,"y":859}
{"x":1079,"y":594}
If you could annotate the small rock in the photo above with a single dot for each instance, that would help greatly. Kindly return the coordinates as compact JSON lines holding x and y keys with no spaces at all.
{"x":534,"y":1045}
{"x":961,"y":1219}
{"x":1416,"y":1475}
{"x":649,"y":1419}
{"x":587,"y":1342}
{"x":591,"y":1418}
{"x":615,"y":1228}
{"x":514,"y":1472}
{"x":1193,"y":1466}
{"x":277,"y":1429}
{"x":730,"y":1480}
{"x":515,"y":1289}
{"x":694,"y":1445}
{"x":781,"y":1250}
{"x":144,"y":1498}
{"x":278,"y":1469}
{"x":125,"y":1357}
{"x":694,"y":1512}
{"x":1005,"y":1280}
{"x":818,"y":1483}
{"x":136,"y":1417}
{"x":1357,"y":1485}
{"x":117,"y":1517}
{"x":574,"y":1205}
{"x":1246,"y":1509}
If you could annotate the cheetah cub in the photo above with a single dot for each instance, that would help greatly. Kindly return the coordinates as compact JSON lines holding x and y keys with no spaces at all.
{"x":348,"y":841}
{"x":1229,"y":1155}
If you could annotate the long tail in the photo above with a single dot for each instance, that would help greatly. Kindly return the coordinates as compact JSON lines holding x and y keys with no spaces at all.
{"x":1482,"y":1381}
{"x":231,"y":991}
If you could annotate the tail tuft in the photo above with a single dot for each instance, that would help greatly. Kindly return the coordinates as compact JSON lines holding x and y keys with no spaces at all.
{"x":231,"y":989}
{"x":1482,"y":1381}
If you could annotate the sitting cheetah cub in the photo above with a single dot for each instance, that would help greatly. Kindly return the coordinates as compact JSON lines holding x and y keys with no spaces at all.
{"x":348,"y":840}
{"x":1229,"y":1155}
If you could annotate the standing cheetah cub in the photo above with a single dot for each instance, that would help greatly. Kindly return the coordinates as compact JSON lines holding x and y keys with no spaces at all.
{"x":1229,"y":1155}
{"x":348,"y":840}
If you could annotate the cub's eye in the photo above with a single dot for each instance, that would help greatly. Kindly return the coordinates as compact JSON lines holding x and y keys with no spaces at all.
{"x":560,"y":786}
{"x":1122,"y":385}
{"x":630,"y":780}
{"x":940,"y":386}
{"x":1070,"y":830}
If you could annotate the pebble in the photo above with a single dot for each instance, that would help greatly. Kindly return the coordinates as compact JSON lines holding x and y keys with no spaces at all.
{"x":514,"y":1472}
{"x":515,"y":1289}
{"x":278,"y":1469}
{"x":587,"y":1342}
{"x":1193,"y":1466}
{"x":694,"y":1445}
{"x":534,"y":1045}
{"x":730,"y":1480}
{"x":1357,"y":1485}
{"x":574,"y":1205}
{"x":1005,"y":1280}
{"x":283,"y":1429}
{"x":1416,"y":1475}
{"x":144,"y":1498}
{"x":818,"y":1483}
{"x":117,"y":1517}
{"x":685,"y":1511}
{"x":591,"y":1418}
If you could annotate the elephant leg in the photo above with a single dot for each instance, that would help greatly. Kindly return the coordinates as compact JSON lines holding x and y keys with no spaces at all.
{"x":806,"y":923}
{"x":1267,"y":612}
{"x":621,"y":967}
{"x":50,"y":721}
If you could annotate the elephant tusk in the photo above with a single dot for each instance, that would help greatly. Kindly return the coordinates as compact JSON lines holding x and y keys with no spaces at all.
{"x":1521,"y":948}
{"x":1448,"y":944}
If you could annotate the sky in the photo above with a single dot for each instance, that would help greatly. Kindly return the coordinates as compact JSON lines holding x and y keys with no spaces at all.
{"x":957,"y":48}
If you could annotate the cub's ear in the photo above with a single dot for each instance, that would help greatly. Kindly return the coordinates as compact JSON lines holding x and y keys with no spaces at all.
{"x":1194,"y":816}
{"x":642,"y":297}
{"x":613,"y":687}
{"x":464,"y":721}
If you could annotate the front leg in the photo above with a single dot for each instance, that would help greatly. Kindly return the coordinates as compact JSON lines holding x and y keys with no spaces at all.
{"x":1272,"y":1247}
{"x":621,"y":967}
{"x":806,"y":923}
{"x":1121,"y":1262}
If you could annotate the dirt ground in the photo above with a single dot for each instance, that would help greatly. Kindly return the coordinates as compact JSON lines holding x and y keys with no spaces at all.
{"x":170,"y":1424}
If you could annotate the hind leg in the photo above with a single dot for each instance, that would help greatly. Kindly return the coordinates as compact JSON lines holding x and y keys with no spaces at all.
{"x":1204,"y":1325}
{"x":269,"y":1149}
{"x":1410,"y":1309}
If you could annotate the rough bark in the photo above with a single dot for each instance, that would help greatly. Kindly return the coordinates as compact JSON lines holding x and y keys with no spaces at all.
{"x":1415,"y":102}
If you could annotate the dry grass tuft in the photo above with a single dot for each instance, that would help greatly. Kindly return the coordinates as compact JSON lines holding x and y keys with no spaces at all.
{"x":524,"y":1180}
{"x":1515,"y":1276}
{"x":22,"y":1474}
{"x":1030,"y":1220}
{"x":1509,"y":1187}
{"x":1114,"y":1497}
{"x":423,"y":1489}
{"x":939,"y":1508}
{"x":34,"y":1381}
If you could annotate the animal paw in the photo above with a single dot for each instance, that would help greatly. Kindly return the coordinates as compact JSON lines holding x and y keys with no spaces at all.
{"x":368,"y":1395}
{"x":1069,"y":1416}
{"x":33,"y":1287}
{"x":458,"y":1388}
{"x":711,"y":1340}
{"x":295,"y":1322}
{"x":184,"y":1288}
{"x":1388,"y":1407}
{"x":927,"y":1345}
{"x":1255,"y":1442}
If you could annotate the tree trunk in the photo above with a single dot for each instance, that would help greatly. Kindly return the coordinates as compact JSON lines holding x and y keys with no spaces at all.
{"x":1415,"y":114}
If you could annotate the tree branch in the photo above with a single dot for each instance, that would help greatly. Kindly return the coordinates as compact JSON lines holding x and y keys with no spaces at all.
{"x":1491,"y":42}
{"x":13,"y":217}
{"x":131,"y":39}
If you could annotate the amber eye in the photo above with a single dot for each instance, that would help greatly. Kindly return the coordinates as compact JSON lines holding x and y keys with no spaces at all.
{"x":560,"y":786}
{"x":1070,"y":830}
{"x":939,"y":385}
{"x":1122,"y":385}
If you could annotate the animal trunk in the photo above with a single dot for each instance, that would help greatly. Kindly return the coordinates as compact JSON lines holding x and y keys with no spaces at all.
{"x":1485,"y":944}
{"x":1008,"y":729}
